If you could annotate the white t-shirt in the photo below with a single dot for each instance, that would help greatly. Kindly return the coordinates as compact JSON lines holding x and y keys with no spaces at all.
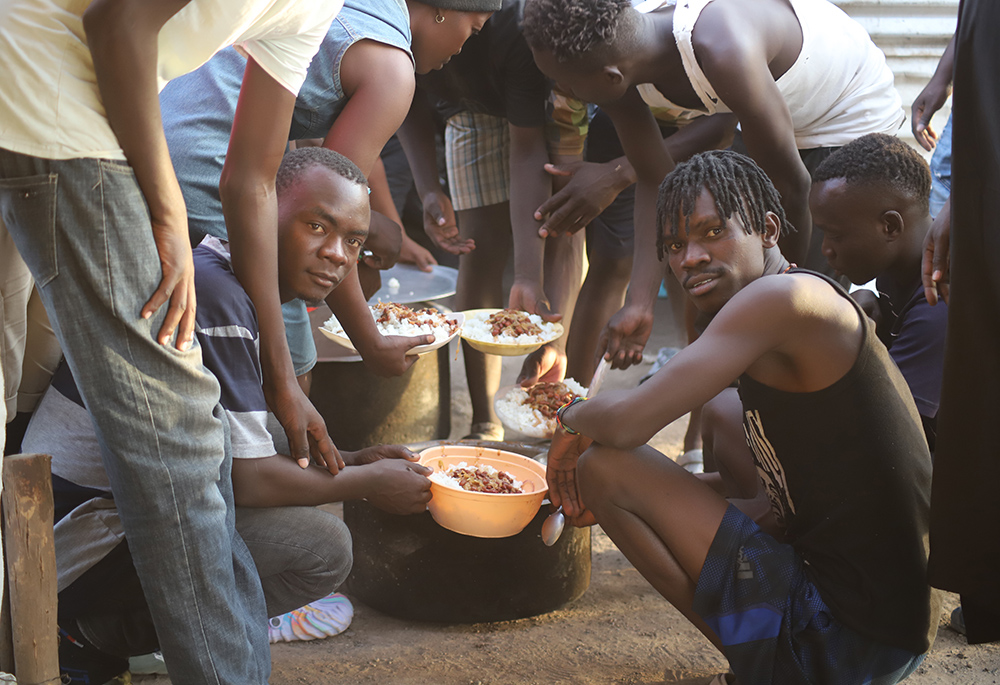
{"x":838,"y":89}
{"x":50,"y":105}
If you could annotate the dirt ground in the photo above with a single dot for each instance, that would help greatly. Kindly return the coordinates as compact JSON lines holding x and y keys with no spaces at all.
{"x":620,"y":631}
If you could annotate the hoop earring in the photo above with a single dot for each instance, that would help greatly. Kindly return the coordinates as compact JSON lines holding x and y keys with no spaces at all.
{"x":439,"y":18}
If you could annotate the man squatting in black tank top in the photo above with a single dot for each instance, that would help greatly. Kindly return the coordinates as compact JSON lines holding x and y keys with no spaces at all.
{"x":818,"y":576}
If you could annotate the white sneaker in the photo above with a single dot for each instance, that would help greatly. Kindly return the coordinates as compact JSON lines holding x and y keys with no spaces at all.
{"x":693,"y":461}
{"x":147,"y":664}
{"x":662,"y":357}
{"x":325,"y":617}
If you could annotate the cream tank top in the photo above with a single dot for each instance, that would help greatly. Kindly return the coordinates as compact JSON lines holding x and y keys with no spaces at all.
{"x":838,"y":89}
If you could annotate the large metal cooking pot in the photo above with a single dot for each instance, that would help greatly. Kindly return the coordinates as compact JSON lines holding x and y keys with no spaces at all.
{"x":412,"y":568}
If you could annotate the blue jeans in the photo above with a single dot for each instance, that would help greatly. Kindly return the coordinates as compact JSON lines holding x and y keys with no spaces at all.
{"x":941,"y":170}
{"x":83,"y":228}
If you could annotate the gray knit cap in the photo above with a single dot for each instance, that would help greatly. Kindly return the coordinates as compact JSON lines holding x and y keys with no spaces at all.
{"x":466,"y":5}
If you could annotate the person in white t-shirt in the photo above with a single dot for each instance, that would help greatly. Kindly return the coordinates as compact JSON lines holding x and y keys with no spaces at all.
{"x":89,"y":196}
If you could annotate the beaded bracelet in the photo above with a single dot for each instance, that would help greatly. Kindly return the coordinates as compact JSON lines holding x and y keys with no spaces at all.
{"x":559,"y":414}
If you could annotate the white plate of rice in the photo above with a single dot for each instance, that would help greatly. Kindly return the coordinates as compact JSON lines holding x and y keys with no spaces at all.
{"x":512,"y":340}
{"x":398,"y":319}
{"x":518,"y":408}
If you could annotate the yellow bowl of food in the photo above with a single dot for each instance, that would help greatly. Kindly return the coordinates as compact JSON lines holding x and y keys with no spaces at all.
{"x":507,"y":332}
{"x":511,"y":487}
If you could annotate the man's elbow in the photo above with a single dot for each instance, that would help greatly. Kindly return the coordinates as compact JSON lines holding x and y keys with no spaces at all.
{"x":237,"y":183}
{"x":105,"y":21}
{"x":249,"y":488}
{"x":97,"y":19}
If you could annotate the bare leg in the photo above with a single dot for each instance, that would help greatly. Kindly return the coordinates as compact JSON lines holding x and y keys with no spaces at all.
{"x":724,"y":439}
{"x":602,"y":294}
{"x":684,"y":308}
{"x":480,"y":284}
{"x":661,"y":517}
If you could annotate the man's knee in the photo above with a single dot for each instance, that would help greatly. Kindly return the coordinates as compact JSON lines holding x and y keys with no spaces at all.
{"x":722,"y":412}
{"x":609,"y":269}
{"x":598,"y":473}
{"x":333,"y":549}
{"x":301,"y":547}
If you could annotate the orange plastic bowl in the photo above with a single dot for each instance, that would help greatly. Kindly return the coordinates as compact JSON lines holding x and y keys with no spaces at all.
{"x":483,"y":514}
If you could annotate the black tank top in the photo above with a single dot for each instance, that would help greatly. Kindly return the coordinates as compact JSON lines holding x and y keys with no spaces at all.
{"x":848,"y":473}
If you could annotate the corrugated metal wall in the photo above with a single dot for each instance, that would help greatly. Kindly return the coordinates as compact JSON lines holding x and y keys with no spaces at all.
{"x":913,"y":34}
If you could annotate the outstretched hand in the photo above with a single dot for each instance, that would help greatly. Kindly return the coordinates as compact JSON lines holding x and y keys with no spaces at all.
{"x":370,"y":455}
{"x":560,"y":474}
{"x":547,"y":364}
{"x":416,"y":254}
{"x":929,"y":101}
{"x":441,"y":227}
{"x":304,"y":427}
{"x":388,"y":355}
{"x":384,"y":242}
{"x":625,"y":336}
{"x":399,"y":486}
{"x":529,"y":297}
{"x":936,"y":263}
{"x":592,"y":187}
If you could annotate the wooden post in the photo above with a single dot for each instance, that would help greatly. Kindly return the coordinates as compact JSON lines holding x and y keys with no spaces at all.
{"x":31,"y":565}
{"x":6,"y":636}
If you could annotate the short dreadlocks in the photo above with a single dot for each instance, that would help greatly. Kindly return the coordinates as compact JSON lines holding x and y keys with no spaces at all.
{"x":572,"y":29}
{"x":298,"y":161}
{"x":878,"y":158}
{"x":736,"y":183}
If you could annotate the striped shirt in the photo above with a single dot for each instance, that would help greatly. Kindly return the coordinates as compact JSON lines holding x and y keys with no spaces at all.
{"x":87,"y":523}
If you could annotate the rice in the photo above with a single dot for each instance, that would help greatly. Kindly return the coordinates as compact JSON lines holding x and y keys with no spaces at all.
{"x":398,"y":319}
{"x":443,"y":477}
{"x":477,"y":328}
{"x":516,"y":414}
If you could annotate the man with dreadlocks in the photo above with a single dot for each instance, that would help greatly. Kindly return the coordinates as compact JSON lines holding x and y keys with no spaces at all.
{"x":821,"y":578}
{"x":800,"y":76}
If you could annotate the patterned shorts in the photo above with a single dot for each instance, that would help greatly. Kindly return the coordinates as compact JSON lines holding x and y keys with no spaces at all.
{"x":477,"y":150}
{"x":774,"y":626}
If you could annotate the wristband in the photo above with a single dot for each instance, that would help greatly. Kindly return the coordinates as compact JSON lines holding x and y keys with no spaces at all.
{"x":562,"y":409}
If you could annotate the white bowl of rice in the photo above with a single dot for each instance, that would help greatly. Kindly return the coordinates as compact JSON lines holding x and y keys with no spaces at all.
{"x":507,"y":332}
{"x":483,"y":514}
{"x":532,"y":411}
{"x":398,"y":319}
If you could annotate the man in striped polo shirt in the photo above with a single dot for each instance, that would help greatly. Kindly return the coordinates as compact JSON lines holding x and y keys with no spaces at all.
{"x":301,"y":553}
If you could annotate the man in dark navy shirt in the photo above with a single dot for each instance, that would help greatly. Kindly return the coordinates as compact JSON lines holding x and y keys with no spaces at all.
{"x":870,"y":198}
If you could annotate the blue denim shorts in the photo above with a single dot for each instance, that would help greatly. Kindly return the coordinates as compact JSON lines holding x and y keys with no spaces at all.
{"x":774,"y":626}
{"x":299,"y":333}
{"x":941,"y":170}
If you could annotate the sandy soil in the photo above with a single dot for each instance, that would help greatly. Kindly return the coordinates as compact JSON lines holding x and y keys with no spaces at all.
{"x":621,"y":631}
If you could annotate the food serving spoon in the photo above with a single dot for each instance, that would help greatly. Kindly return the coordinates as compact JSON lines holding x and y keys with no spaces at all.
{"x":552,"y":526}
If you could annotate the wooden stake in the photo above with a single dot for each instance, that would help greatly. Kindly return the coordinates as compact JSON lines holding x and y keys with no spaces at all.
{"x":6,"y":636}
{"x":31,"y":565}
